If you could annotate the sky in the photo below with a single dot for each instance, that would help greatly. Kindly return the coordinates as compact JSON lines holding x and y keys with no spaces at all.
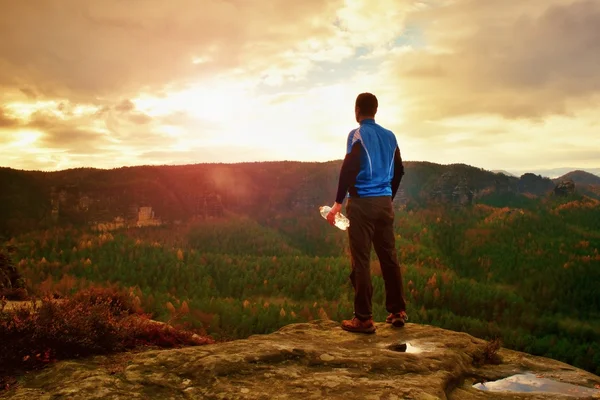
{"x":498,"y":84}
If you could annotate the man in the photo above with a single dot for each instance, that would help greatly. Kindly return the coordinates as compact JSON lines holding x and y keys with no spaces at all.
{"x":371,"y":174}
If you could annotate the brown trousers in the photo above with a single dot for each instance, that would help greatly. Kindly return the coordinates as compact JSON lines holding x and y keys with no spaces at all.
{"x":372,"y":222}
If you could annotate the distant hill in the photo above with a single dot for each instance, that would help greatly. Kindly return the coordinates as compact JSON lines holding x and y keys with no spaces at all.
{"x":147,"y":195}
{"x":557,"y":172}
{"x":501,"y":171}
{"x":580,"y":177}
{"x":585,"y":182}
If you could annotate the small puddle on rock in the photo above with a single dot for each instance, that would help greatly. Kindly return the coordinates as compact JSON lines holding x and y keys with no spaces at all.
{"x":532,"y":383}
{"x":404,"y":348}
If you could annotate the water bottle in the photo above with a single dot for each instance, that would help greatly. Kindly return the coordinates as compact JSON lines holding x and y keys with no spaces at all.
{"x":340,"y":220}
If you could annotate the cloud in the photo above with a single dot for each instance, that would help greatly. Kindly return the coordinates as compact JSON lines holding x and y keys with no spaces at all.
{"x":513,"y":144}
{"x":150,"y":77}
{"x":78,"y":129}
{"x":125,"y":105}
{"x":128,"y":107}
{"x":122,"y":83}
{"x":6,"y":121}
{"x":526,"y":59}
{"x":87,"y":49}
{"x":75,"y":141}
{"x":67,"y":135}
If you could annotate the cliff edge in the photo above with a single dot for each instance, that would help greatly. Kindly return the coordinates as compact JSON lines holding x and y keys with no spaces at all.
{"x":317,"y":360}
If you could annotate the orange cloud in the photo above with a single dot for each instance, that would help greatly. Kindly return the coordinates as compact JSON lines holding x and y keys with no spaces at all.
{"x":526,"y":59}
{"x":84,"y":49}
{"x":7,"y":121}
{"x":121,"y":83}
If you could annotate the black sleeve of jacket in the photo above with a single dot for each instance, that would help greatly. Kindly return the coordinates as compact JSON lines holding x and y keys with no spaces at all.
{"x":349,"y":172}
{"x":398,"y":172}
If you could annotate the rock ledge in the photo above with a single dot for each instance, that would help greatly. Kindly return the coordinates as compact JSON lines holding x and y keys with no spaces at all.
{"x":316,"y":360}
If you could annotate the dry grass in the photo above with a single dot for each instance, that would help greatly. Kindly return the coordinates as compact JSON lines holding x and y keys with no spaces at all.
{"x":488,"y":353}
{"x":94,"y":321}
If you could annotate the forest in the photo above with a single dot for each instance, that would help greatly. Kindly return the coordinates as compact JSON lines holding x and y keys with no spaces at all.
{"x":32,"y":200}
{"x":526,"y":273}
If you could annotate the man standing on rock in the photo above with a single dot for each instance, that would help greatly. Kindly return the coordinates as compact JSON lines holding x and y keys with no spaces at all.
{"x":370,"y":175}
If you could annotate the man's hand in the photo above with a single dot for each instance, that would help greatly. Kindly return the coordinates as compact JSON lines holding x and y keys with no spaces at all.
{"x":336,"y":208}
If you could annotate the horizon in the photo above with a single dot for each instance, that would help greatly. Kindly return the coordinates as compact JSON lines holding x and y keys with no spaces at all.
{"x":550,"y":173}
{"x":88,"y":85}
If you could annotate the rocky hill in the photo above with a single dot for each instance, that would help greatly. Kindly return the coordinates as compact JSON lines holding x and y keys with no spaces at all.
{"x":151,"y":195}
{"x":558,"y":172}
{"x":582,"y":182}
{"x":580,"y":177}
{"x":318,"y":360}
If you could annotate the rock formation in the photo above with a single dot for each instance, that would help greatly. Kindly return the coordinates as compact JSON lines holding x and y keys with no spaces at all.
{"x":564,"y":188}
{"x":208,"y":204}
{"x":401,"y":199}
{"x":11,"y":282}
{"x":535,"y":184}
{"x":462,"y":195}
{"x":452,"y":188}
{"x":316,"y":360}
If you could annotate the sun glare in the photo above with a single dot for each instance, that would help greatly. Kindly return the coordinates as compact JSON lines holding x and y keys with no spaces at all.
{"x":24,"y":138}
{"x":208,"y":102}
{"x":84,"y":109}
{"x":171,"y":130}
{"x":200,"y":60}
{"x":24,"y":110}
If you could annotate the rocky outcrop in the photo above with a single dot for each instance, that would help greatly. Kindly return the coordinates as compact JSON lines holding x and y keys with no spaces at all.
{"x":401,"y":200}
{"x":11,"y":283}
{"x":535,"y":184}
{"x":564,"y":188}
{"x":315,"y":360}
{"x":452,"y":188}
{"x":209,"y":205}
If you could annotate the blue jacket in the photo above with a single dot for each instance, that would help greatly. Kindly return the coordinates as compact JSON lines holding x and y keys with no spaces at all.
{"x":376,"y":160}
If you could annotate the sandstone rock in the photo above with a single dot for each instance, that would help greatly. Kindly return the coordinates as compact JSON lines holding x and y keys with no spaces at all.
{"x":316,"y":360}
{"x":535,"y":184}
{"x":564,"y":188}
{"x":10,"y":279}
{"x":452,"y":188}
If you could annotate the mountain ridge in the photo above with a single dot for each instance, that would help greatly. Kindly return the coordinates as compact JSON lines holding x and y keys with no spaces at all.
{"x":554,"y":173}
{"x":580,"y":177}
{"x":178,"y":192}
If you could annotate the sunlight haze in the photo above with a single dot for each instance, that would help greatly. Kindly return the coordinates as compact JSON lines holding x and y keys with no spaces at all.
{"x":501,"y":85}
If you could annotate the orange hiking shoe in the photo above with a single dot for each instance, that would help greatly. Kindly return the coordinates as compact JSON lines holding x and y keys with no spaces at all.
{"x":356,"y":325}
{"x":398,"y":320}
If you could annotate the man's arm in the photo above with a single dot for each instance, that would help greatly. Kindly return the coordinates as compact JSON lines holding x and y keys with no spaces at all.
{"x":349,"y":172}
{"x":398,"y":172}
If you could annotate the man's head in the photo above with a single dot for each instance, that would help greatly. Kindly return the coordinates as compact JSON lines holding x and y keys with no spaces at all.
{"x":365,"y":106}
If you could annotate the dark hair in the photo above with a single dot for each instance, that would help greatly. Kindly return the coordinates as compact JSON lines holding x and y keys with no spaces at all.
{"x":367,"y":103}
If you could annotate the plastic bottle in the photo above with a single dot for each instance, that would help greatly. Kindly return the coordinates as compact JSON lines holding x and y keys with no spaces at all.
{"x":340,"y":220}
